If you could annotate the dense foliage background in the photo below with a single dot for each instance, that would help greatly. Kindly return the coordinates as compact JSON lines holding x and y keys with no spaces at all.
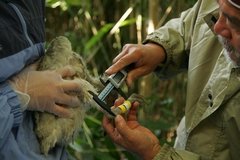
{"x":98,"y":29}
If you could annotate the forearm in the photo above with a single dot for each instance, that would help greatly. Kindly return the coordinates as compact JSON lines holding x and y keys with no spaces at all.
{"x":175,"y":38}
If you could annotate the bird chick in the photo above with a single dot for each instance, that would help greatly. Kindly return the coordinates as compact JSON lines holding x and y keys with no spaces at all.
{"x":51,"y":129}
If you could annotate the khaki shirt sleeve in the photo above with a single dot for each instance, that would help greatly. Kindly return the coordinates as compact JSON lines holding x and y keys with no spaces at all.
{"x":175,"y":37}
{"x":169,"y":153}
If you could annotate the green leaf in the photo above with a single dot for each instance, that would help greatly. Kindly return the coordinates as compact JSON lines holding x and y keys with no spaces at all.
{"x":130,"y":155}
{"x":110,"y":145}
{"x":73,"y":2}
{"x":168,"y":112}
{"x":101,"y":155}
{"x":128,"y":22}
{"x":56,"y":3}
{"x":92,"y":119}
{"x":157,"y":124}
{"x":105,"y":29}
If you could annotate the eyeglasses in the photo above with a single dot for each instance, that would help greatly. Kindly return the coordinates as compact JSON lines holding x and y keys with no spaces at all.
{"x":236,"y":3}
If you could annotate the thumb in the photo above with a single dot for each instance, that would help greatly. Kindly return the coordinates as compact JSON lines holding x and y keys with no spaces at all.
{"x":134,"y":75}
{"x":121,"y":126}
{"x":31,"y":67}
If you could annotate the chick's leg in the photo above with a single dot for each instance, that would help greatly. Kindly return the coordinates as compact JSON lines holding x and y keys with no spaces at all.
{"x":127,"y":105}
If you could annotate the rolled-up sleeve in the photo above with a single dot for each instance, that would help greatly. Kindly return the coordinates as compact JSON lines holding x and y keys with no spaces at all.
{"x":10,"y":111}
{"x":169,"y":153}
{"x":176,"y":38}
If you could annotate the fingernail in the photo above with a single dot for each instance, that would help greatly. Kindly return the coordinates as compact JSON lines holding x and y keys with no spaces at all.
{"x":107,"y":70}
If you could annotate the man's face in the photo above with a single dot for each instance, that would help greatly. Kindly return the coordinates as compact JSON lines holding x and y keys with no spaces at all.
{"x":228,"y":29}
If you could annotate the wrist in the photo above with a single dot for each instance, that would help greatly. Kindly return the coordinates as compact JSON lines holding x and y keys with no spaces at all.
{"x":158,"y":51}
{"x":150,"y":154}
{"x":24,"y":99}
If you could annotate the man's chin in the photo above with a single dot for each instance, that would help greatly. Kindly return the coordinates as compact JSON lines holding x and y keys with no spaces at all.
{"x":232,"y":58}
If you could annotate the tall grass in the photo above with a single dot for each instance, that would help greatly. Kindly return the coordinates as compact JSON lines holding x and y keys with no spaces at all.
{"x":97,"y":30}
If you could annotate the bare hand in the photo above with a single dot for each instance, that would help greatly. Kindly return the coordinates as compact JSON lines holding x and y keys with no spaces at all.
{"x":144,"y":58}
{"x":130,"y":135}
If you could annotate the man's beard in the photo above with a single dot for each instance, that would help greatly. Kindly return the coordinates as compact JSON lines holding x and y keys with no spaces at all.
{"x":229,"y":50}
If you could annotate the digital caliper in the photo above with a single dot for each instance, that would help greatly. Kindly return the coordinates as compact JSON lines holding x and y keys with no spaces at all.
{"x":114,"y":81}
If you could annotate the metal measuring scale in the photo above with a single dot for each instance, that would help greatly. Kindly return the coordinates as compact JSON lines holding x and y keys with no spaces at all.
{"x":114,"y":81}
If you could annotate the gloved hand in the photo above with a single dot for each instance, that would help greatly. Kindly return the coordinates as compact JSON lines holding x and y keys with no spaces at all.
{"x":46,"y":90}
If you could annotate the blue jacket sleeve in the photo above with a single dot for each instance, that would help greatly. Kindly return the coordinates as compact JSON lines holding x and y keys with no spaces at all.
{"x":10,"y":111}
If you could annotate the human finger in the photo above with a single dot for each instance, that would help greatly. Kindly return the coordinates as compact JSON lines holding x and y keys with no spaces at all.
{"x":119,"y":101}
{"x":122,"y":63}
{"x":126,"y":57}
{"x":133,"y":73}
{"x":65,"y":99}
{"x":132,"y":76}
{"x":124,"y":51}
{"x":107,"y":125}
{"x":122,"y":128}
{"x":66,"y":71}
{"x":71,"y":85}
{"x":132,"y":113}
{"x":60,"y":111}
